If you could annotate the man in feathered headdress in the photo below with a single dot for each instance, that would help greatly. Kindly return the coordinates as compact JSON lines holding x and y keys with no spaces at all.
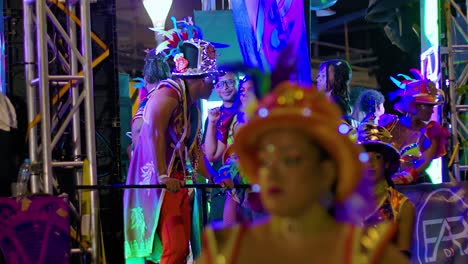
{"x":418,"y":139}
{"x":158,"y":223}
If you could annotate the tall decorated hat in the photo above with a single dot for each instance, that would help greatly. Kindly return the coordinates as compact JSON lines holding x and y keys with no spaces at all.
{"x":192,"y":56}
{"x":376,"y":139}
{"x":289,"y":105}
{"x":416,"y":90}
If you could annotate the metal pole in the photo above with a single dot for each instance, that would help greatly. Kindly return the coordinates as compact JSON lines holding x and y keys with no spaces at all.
{"x":90,"y":127}
{"x":75,"y":109}
{"x":43,"y":72}
{"x":30,"y":62}
{"x":76,"y":129}
{"x":157,"y":186}
{"x":452,"y":87}
{"x":75,"y":92}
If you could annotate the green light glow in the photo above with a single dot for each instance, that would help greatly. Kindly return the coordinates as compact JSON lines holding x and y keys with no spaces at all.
{"x":430,"y":38}
{"x":430,"y":24}
{"x":435,"y":171}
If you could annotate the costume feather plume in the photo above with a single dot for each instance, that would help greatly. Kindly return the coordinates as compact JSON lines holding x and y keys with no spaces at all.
{"x":138,"y":83}
{"x":175,"y":37}
{"x":409,"y":85}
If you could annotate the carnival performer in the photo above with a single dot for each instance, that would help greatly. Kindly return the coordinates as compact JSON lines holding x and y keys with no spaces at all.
{"x":384,"y":161}
{"x":158,"y":222}
{"x":354,"y":94}
{"x":241,"y":205}
{"x":418,"y":139}
{"x":333,"y":79}
{"x":216,"y":135}
{"x":371,"y":106}
{"x":292,"y":147}
{"x":220,"y":118}
{"x":155,"y":69}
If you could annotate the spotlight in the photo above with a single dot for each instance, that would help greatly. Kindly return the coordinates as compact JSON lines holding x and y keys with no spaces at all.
{"x":157,"y":10}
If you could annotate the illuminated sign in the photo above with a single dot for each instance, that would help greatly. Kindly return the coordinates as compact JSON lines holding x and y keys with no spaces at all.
{"x":430,"y":64}
{"x":442,"y":227}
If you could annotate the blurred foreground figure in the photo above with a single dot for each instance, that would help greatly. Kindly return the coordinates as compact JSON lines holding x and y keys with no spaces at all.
{"x":292,"y":146}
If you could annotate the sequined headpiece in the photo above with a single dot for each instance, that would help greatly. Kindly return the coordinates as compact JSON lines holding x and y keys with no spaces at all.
{"x":419,"y":90}
{"x":376,"y":139}
{"x":192,"y":55}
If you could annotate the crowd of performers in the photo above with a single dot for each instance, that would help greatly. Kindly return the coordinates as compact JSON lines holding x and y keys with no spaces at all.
{"x":326,"y":161}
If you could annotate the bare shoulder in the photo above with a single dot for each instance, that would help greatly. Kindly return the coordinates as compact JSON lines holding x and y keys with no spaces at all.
{"x":164,"y":95}
{"x":163,"y":101}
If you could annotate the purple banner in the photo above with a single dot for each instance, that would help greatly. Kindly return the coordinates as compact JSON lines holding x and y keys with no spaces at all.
{"x":441,"y":225}
{"x":273,"y":24}
{"x":34,"y":229}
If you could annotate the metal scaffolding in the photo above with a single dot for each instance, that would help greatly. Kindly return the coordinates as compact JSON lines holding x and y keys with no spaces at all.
{"x":76,"y":95}
{"x":457,"y":63}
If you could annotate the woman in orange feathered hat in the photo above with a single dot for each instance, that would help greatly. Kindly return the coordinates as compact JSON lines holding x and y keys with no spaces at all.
{"x":294,"y":147}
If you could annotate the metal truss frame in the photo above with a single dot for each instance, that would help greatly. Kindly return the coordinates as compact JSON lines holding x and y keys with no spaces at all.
{"x":459,"y":130}
{"x":75,"y":95}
